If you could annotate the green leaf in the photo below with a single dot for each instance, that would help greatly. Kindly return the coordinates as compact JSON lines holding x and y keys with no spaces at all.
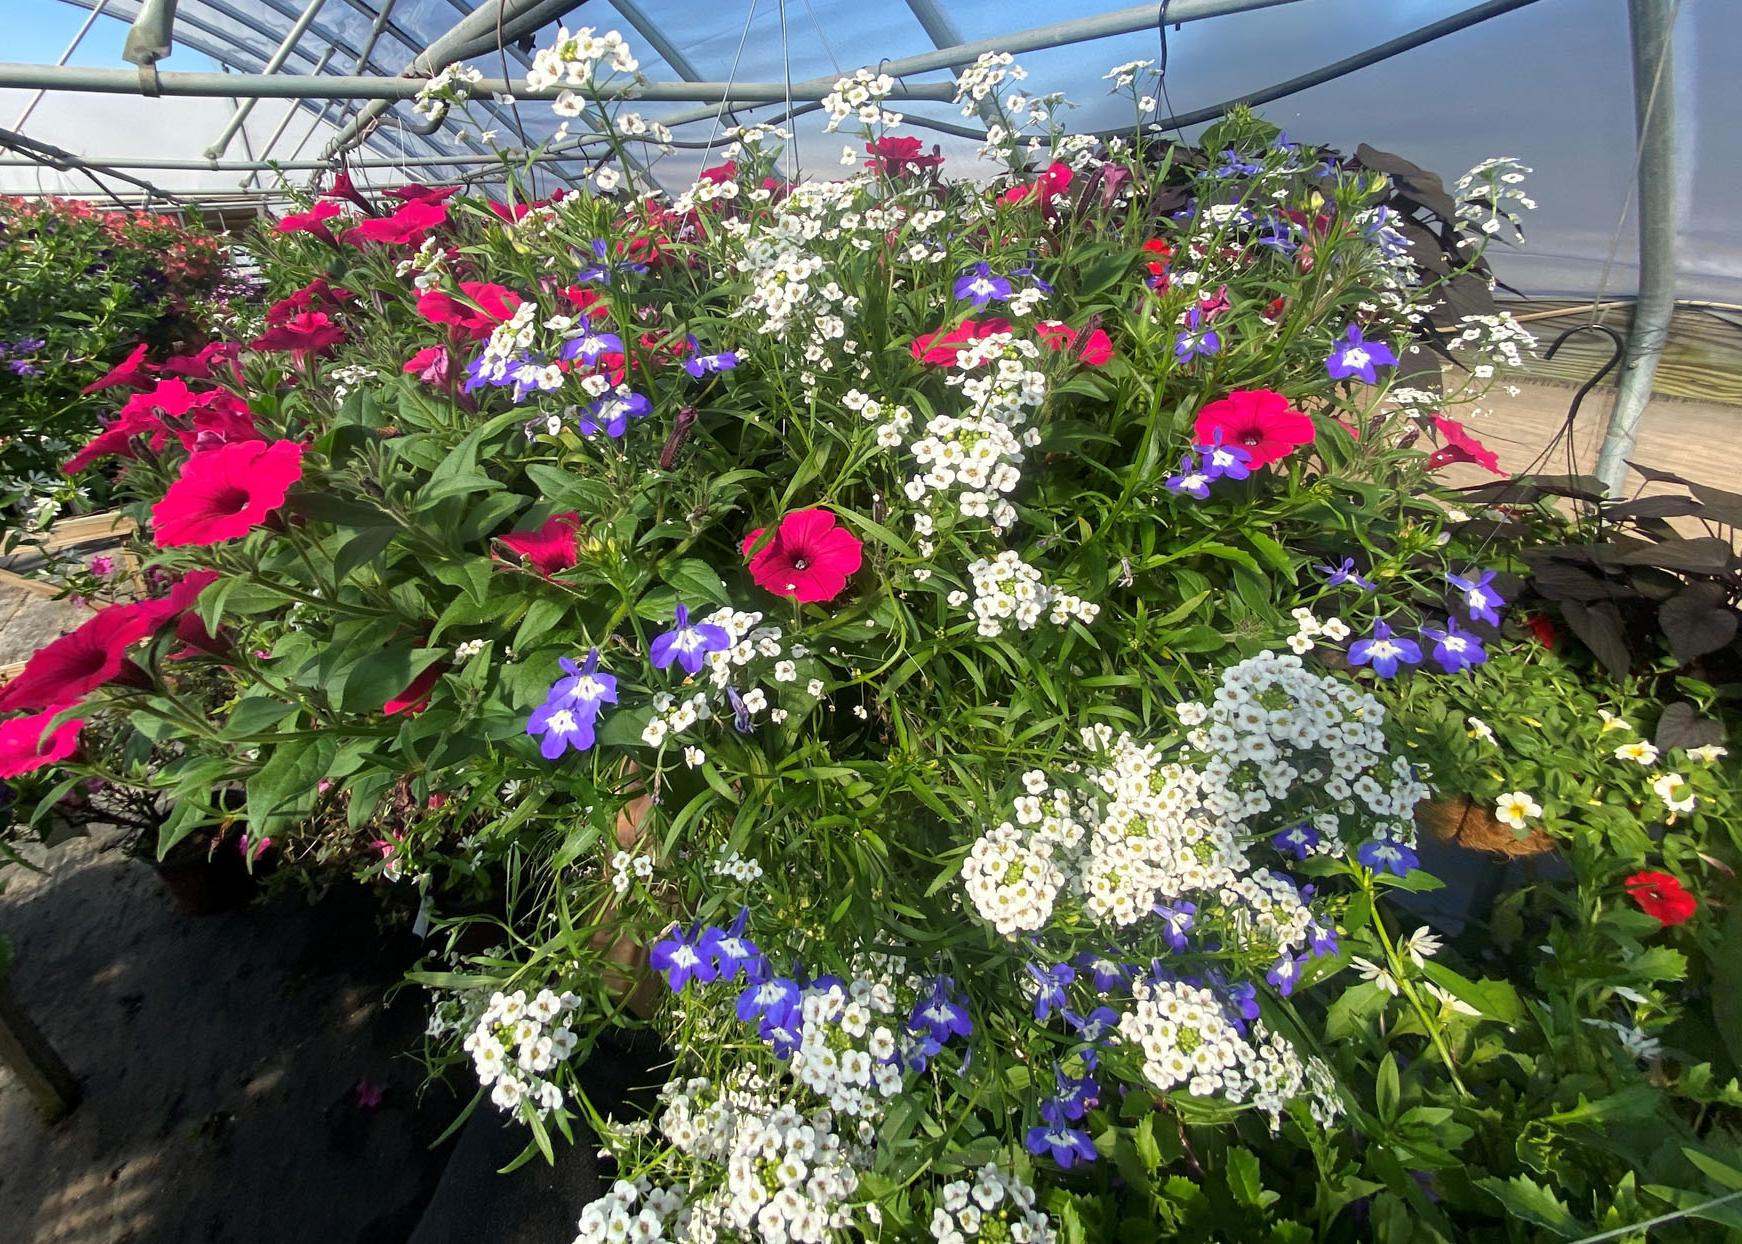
{"x":1386,"y":1089}
{"x":1524,"y":1198}
{"x":541,"y":616}
{"x":695,"y":581}
{"x":325,"y":507}
{"x":1245,"y":1181}
{"x":1719,"y":1173}
{"x":255,"y":714}
{"x":1496,"y":999}
{"x":361,"y":549}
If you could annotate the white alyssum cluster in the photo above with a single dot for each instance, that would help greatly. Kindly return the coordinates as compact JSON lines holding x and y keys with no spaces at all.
{"x":1309,"y":628}
{"x":574,"y":59}
{"x":1493,"y":340}
{"x":635,"y":1211}
{"x":853,"y":1038}
{"x":1187,"y":1040}
{"x":740,"y":868}
{"x":984,"y":77}
{"x":1009,"y":590}
{"x":758,"y":655}
{"x":1491,"y":195}
{"x":995,"y":1205}
{"x":515,"y":1043}
{"x":447,"y":87}
{"x":858,"y":94}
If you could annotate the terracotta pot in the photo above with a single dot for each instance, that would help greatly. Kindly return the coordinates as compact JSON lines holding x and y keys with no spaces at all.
{"x":1459,"y":819}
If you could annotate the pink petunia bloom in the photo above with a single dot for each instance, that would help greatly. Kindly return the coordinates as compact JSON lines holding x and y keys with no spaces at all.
{"x":181,"y":597}
{"x":940,"y":348}
{"x":63,"y":672}
{"x":430,"y":365}
{"x":489,"y":306}
{"x":810,"y":558}
{"x":406,"y":227}
{"x":897,"y":157}
{"x":200,"y":366}
{"x":27,"y":743}
{"x":225,"y":493}
{"x":1460,"y":446}
{"x":415,"y":698}
{"x":133,"y":372}
{"x":1257,"y":420}
{"x":312,"y":222}
{"x":1214,"y":305}
{"x":343,"y":188}
{"x":551,"y":548}
{"x":421,"y":194}
{"x":1056,"y":180}
{"x":719,"y":174}
{"x":1097,"y":347}
{"x":317,"y":295}
{"x":114,"y":441}
{"x":309,"y":332}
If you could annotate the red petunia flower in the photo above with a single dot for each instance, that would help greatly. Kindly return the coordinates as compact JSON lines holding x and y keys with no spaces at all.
{"x":552,"y":547}
{"x":810,"y":558}
{"x":719,"y":174}
{"x":132,"y":371}
{"x":1272,"y":310}
{"x":114,"y":441}
{"x":317,"y":295}
{"x":430,"y":365}
{"x":309,"y":332}
{"x":1542,"y":629}
{"x":1460,"y":446}
{"x":421,"y":194}
{"x":896,"y":157}
{"x":201,"y":366}
{"x":27,"y":744}
{"x":64,"y":671}
{"x":415,"y":698}
{"x":1097,"y":347}
{"x":224,"y":493}
{"x":406,"y":227}
{"x":941,"y":348}
{"x":343,"y":188}
{"x":490,"y":305}
{"x":1662,"y":897}
{"x":1056,"y":180}
{"x":312,"y":221}
{"x":181,"y":597}
{"x":1257,"y":420}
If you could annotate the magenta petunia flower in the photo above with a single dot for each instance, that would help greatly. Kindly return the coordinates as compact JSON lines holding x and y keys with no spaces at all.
{"x":27,"y":743}
{"x":810,"y":557}
{"x":133,"y":372}
{"x":1460,"y":446}
{"x":551,"y":548}
{"x":312,"y":222}
{"x":66,"y":670}
{"x":1257,"y":420}
{"x":309,"y":332}
{"x":406,"y":227}
{"x":225,"y":493}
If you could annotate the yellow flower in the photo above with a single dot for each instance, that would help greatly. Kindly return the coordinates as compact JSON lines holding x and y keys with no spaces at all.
{"x":1640,"y":753}
{"x":1612,"y":722}
{"x":1516,"y":807}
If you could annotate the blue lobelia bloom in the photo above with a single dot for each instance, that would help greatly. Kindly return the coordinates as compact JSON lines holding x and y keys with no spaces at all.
{"x":1075,"y":1098}
{"x":1354,"y":355}
{"x":1336,"y":576}
{"x":775,"y":1001}
{"x":1106,"y":972}
{"x":980,"y":286}
{"x":1455,"y":648}
{"x":698,"y":364}
{"x":942,"y":1013}
{"x":1285,"y":973}
{"x":584,"y":689}
{"x":1298,"y":841}
{"x":1278,"y":236}
{"x":1387,"y":855}
{"x":687,"y":644}
{"x":1196,"y":338}
{"x":1482,"y":601}
{"x":1043,"y":286}
{"x":1234,"y":166}
{"x":1177,"y":919}
{"x":1383,"y":650}
{"x":740,"y":711}
{"x":602,"y":269}
{"x":589,"y":345}
{"x":563,"y":726}
{"x":613,"y":411}
{"x":1093,"y":1026}
{"x":1226,"y":461}
{"x":1324,"y":939}
{"x":1067,"y":1145}
{"x":1050,"y":985}
{"x":680,"y":958}
{"x":732,"y":953}
{"x":1242,"y":1008}
{"x":1191,"y":481}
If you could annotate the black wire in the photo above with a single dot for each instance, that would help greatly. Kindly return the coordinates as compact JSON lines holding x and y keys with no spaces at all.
{"x":1161,"y":70}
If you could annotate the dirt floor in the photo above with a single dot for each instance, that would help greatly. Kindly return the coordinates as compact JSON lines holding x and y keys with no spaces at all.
{"x":221,"y":1059}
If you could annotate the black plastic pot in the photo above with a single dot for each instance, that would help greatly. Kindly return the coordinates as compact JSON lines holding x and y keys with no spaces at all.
{"x":207,"y":880}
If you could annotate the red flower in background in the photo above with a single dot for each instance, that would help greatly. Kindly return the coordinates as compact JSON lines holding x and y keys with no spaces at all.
{"x":941,"y":348}
{"x":1097,"y":347}
{"x":588,"y":302}
{"x":1056,"y":180}
{"x":317,"y":295}
{"x":494,"y":304}
{"x":312,"y":221}
{"x":1542,"y":629}
{"x":430,"y":365}
{"x":1257,"y":420}
{"x":406,"y":227}
{"x":224,"y":493}
{"x":307,"y":333}
{"x":719,"y":174}
{"x":201,"y":366}
{"x":26,"y":743}
{"x":1460,"y":446}
{"x":344,"y":189}
{"x":1662,"y":897}
{"x":1158,"y":274}
{"x":896,"y":157}
{"x":810,"y":558}
{"x":552,"y":547}
{"x":415,"y":698}
{"x":132,"y":371}
{"x":1273,"y":309}
{"x":422,"y":194}
{"x":63,"y":672}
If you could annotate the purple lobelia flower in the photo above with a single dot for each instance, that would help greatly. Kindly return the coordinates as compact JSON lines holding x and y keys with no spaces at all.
{"x":1075,"y":1098}
{"x":1234,"y":166}
{"x":732,"y":953}
{"x":1354,"y":355}
{"x":1066,"y":1145}
{"x":942,"y":1013}
{"x":589,"y":345}
{"x":1177,"y":919}
{"x":1297,"y":841}
{"x":1455,"y":648}
{"x":774,"y":1001}
{"x":699,"y":364}
{"x":603,"y":267}
{"x":1278,"y":236}
{"x":613,"y":411}
{"x":1387,"y":855}
{"x":563,"y":726}
{"x":1323,"y":939}
{"x":979,"y":285}
{"x":679,"y":956}
{"x":1050,"y":985}
{"x":1196,"y":339}
{"x":740,"y":711}
{"x":1226,"y":461}
{"x":1336,"y":576}
{"x":1093,"y":1026}
{"x":688,"y":644}
{"x":1383,"y":651}
{"x":1191,"y":480}
{"x":1242,"y":1004}
{"x":1284,"y":974}
{"x":1105,"y":972}
{"x":584,"y":688}
{"x":1482,"y":601}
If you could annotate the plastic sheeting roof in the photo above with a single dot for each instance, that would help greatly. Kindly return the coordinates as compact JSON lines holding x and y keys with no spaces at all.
{"x":1549,"y":83}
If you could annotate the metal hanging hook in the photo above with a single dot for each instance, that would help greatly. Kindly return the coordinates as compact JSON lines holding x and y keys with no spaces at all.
{"x":1619,"y":349}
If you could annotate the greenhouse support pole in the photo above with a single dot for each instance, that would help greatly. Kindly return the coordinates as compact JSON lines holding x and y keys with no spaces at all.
{"x":1649,"y":22}
{"x":285,"y":47}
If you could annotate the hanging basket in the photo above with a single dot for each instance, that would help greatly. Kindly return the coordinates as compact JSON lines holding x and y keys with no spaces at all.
{"x":1461,"y":820}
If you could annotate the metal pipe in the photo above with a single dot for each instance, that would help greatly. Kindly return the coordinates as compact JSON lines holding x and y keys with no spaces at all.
{"x":648,"y":29}
{"x":1649,"y":23}
{"x":344,"y":86}
{"x":290,"y":111}
{"x":64,"y":57}
{"x":272,"y":66}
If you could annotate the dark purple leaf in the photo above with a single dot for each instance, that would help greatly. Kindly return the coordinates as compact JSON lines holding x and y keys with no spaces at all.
{"x":1682,"y":726}
{"x":1599,"y":626}
{"x":1660,"y":477}
{"x":1725,"y":507}
{"x":1703,"y":555}
{"x":1697,"y":620}
{"x":1654,"y":507}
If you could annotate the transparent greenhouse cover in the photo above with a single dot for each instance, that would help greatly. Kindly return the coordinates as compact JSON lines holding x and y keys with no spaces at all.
{"x":1549,"y":84}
